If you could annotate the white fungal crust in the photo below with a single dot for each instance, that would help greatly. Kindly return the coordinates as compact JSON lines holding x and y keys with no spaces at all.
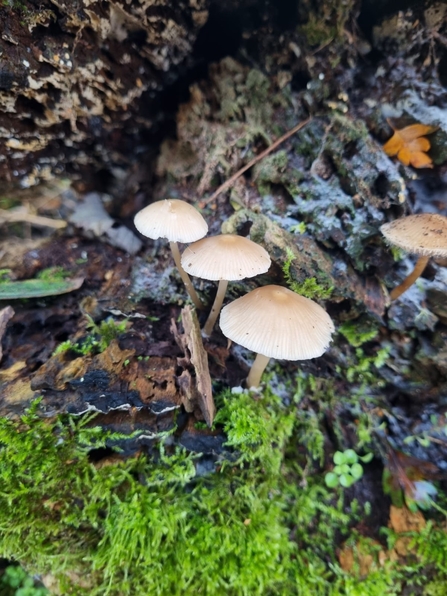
{"x":225,"y":257}
{"x":423,"y":234}
{"x":278,"y":323}
{"x":173,"y":219}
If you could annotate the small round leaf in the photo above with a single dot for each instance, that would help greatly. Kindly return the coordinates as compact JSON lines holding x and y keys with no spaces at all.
{"x":351,"y":456}
{"x":339,"y":458}
{"x":346,"y":480}
{"x":356,"y":471}
{"x":331,"y":480}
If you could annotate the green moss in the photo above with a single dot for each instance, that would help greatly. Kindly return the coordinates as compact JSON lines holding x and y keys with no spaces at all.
{"x":262,"y":524}
{"x":317,"y":32}
{"x":97,"y":341}
{"x":359,"y":331}
{"x":53,"y":274}
{"x":5,"y":275}
{"x":309,"y":288}
{"x":326,"y":21}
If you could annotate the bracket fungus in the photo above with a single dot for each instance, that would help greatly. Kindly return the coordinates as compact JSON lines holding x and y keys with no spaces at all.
{"x":275,"y":322}
{"x":177,"y":221}
{"x":424,"y":234}
{"x":224,"y":258}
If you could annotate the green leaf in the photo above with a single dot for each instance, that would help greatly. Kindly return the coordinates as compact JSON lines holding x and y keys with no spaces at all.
{"x":331,"y":480}
{"x":346,"y":480}
{"x":366,"y":458}
{"x":37,"y":288}
{"x":351,"y":456}
{"x":356,"y":471}
{"x":339,"y":458}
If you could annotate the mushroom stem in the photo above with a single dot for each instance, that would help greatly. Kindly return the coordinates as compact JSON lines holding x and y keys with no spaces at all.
{"x":185,"y":277}
{"x":221,"y":291}
{"x":410,"y":279}
{"x":258,"y":367}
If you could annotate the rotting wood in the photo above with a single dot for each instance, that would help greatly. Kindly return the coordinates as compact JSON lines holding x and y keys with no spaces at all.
{"x":195,"y":391}
{"x":229,"y":183}
{"x":5,"y":315}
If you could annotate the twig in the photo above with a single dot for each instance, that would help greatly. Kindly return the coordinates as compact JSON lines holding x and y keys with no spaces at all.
{"x":36,"y":220}
{"x":255,"y":160}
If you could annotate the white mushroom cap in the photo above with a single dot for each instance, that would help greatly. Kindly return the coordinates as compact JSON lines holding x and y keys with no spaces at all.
{"x":173,"y":219}
{"x":226,"y":256}
{"x":278,"y":323}
{"x":423,"y":234}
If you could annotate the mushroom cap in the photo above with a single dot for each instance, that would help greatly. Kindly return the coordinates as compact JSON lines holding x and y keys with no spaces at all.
{"x":226,"y":256}
{"x":278,"y":323}
{"x":423,"y":234}
{"x":173,"y":219}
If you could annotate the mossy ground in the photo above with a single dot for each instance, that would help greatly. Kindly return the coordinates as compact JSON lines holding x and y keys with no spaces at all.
{"x":264,"y":523}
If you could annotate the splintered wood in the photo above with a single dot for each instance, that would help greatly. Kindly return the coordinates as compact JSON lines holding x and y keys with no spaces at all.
{"x":195,"y":381}
{"x":5,"y":315}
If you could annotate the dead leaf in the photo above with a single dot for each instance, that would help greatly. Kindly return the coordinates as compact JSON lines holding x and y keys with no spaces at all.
{"x":5,"y":315}
{"x":405,"y":478}
{"x":91,"y":216}
{"x":403,"y":520}
{"x":361,"y":554}
{"x":410,"y":145}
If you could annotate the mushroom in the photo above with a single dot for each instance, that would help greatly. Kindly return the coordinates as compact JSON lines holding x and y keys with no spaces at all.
{"x":224,"y":258}
{"x":177,"y":221}
{"x":275,"y":322}
{"x":424,"y":234}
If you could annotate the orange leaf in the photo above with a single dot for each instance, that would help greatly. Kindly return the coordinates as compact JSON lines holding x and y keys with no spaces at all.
{"x":393,"y":146}
{"x":404,"y":156}
{"x":410,"y":145}
{"x":420,"y":160}
{"x":420,"y":144}
{"x":409,"y":133}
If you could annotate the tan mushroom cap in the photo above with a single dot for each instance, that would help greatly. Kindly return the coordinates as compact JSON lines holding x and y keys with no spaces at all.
{"x":423,"y":234}
{"x":278,"y":323}
{"x":173,"y":219}
{"x":226,"y":256}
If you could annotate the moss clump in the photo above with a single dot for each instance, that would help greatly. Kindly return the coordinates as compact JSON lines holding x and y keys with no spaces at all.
{"x":309,"y":288}
{"x":97,"y":341}
{"x":53,"y":274}
{"x":262,"y":524}
{"x":359,"y":331}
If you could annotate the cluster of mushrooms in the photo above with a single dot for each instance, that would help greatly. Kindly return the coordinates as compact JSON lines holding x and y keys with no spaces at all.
{"x":425,"y":235}
{"x":271,"y":320}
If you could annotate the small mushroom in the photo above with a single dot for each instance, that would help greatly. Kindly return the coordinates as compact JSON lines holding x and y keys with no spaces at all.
{"x":275,"y":322}
{"x":177,"y":221}
{"x":224,"y":258}
{"x":424,"y":234}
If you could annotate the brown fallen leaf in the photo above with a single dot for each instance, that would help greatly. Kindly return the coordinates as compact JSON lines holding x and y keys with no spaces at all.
{"x":361,"y":557}
{"x":410,"y":145}
{"x":403,"y":520}
{"x":5,"y":315}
